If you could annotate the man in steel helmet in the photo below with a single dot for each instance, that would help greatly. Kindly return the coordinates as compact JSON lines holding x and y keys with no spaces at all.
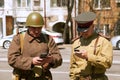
{"x":33,"y":54}
{"x":91,"y":53}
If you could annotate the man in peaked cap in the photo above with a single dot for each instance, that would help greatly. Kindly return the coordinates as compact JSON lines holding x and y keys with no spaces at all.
{"x":89,"y":57}
{"x":85,"y":20}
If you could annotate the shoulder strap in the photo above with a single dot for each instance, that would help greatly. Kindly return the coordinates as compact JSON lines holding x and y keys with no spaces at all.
{"x":75,"y":39}
{"x":96,"y":45}
{"x":22,"y":35}
{"x":93,"y":67}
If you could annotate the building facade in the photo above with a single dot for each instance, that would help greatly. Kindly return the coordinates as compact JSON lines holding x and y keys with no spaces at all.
{"x":107,"y":14}
{"x":14,"y":13}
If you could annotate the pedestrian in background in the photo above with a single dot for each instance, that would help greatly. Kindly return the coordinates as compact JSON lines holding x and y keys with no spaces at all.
{"x":92,"y":53}
{"x":32,"y":53}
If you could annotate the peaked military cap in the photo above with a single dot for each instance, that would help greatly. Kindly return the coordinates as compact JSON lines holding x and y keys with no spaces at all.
{"x":85,"y":20}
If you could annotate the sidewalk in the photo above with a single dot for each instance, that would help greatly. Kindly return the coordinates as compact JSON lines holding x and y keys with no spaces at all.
{"x":64,"y":46}
{"x":65,"y":50}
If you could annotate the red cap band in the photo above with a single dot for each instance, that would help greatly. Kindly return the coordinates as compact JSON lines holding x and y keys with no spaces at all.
{"x":85,"y":25}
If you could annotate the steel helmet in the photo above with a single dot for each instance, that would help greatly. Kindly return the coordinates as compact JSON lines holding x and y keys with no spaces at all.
{"x":34,"y":19}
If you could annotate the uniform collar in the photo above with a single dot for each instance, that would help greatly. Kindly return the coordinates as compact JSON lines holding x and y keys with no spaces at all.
{"x":32,"y":38}
{"x":87,"y":41}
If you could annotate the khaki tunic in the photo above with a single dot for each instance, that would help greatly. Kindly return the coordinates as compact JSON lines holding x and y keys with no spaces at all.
{"x":22,"y":62}
{"x":101,"y":60}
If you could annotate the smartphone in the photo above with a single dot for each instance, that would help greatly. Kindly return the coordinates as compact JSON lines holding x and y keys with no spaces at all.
{"x":76,"y":50}
{"x":43,"y":55}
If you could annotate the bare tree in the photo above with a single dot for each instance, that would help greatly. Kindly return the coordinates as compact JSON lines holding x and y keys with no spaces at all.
{"x":67,"y":34}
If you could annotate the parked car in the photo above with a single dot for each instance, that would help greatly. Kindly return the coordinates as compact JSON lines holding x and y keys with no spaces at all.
{"x":55,"y":35}
{"x":116,"y":42}
{"x":5,"y":41}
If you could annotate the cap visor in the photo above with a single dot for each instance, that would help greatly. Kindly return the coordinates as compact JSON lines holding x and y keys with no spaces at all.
{"x":82,"y":29}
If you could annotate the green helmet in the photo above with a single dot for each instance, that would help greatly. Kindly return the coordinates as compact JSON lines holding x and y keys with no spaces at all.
{"x":34,"y":20}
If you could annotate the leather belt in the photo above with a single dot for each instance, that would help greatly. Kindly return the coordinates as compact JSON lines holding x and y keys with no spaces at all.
{"x":93,"y":75}
{"x":97,"y":75}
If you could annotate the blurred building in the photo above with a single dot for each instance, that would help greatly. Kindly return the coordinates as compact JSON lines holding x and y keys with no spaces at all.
{"x":107,"y":14}
{"x":14,"y":12}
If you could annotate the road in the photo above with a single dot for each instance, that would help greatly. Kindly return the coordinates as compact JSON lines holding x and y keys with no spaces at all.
{"x":62,"y":72}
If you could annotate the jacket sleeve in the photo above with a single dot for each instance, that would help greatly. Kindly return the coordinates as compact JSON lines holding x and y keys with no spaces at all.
{"x":73,"y":68}
{"x":74,"y":64}
{"x":104,"y":56}
{"x":15,"y":58}
{"x":55,"y":53}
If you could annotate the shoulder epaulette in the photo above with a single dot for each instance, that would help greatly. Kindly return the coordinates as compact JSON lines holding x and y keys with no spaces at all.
{"x":75,"y":39}
{"x":107,"y":37}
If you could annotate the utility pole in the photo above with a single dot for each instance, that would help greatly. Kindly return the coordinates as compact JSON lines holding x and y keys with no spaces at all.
{"x":45,"y":13}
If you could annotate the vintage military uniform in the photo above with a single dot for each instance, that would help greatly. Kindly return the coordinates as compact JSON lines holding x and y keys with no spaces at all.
{"x":22,"y":62}
{"x":99,"y":56}
{"x":24,"y":47}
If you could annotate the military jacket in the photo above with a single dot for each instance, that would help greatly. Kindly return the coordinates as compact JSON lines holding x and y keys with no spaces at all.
{"x":31,"y":48}
{"x":101,"y":60}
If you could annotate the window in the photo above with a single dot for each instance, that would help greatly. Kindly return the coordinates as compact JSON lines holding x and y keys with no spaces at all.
{"x":117,"y":28}
{"x":1,"y":3}
{"x":23,"y":3}
{"x":36,"y":5}
{"x":103,"y":28}
{"x":58,"y":3}
{"x":36,"y":2}
{"x":101,"y":4}
{"x":118,"y":3}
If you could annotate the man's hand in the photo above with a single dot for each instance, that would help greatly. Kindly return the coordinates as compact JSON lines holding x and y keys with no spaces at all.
{"x":47,"y":62}
{"x":48,"y":59}
{"x":81,"y":54}
{"x":41,"y":61}
{"x":37,"y":61}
